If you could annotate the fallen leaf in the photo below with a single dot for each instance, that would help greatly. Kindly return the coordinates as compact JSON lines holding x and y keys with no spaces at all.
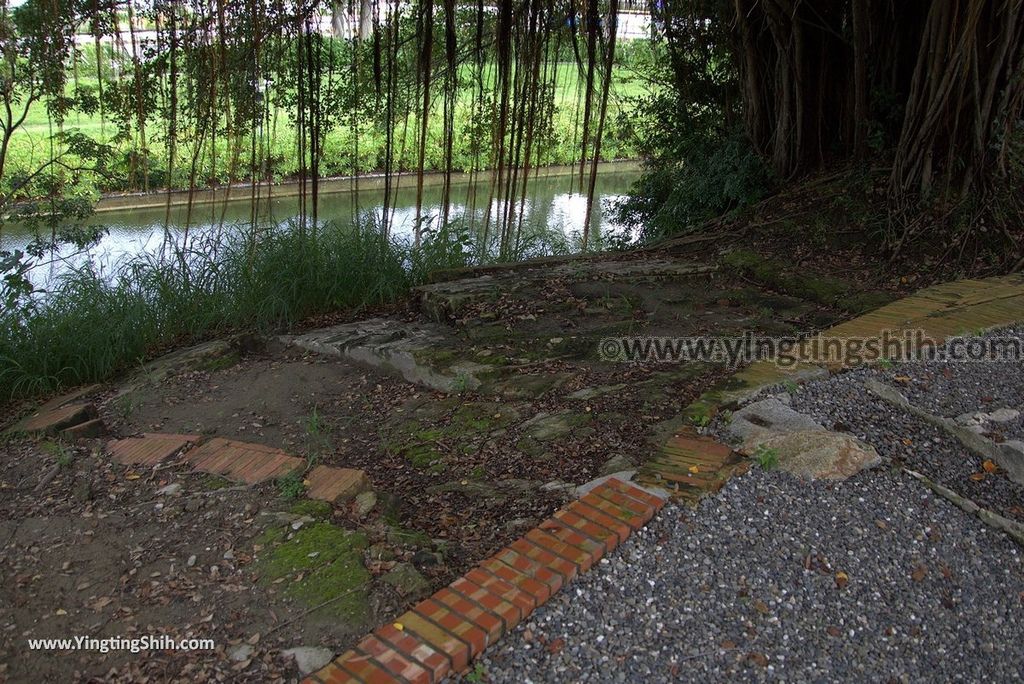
{"x":832,"y":630}
{"x":728,"y":644}
{"x":842,"y":579}
{"x":919,"y":573}
{"x":556,"y":645}
{"x":758,"y":659}
{"x":881,"y":524}
{"x":694,"y":469}
{"x":761,"y":607}
{"x":989,"y":466}
{"x":977,"y":477}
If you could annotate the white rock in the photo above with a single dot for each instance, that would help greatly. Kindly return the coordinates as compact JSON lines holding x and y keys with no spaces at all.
{"x":169,"y":490}
{"x":309,"y":658}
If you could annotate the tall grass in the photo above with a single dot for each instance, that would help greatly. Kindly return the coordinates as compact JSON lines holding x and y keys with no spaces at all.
{"x":89,"y":326}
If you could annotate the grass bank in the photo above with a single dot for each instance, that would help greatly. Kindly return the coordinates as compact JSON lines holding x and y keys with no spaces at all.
{"x":89,"y":326}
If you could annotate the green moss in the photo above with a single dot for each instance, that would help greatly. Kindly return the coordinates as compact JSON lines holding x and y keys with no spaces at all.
{"x":213,"y":482}
{"x":321,"y":510}
{"x":329,"y":561}
{"x":220,"y":362}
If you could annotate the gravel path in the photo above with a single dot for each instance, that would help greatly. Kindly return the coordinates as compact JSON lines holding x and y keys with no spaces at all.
{"x":842,"y":403}
{"x":873,"y":579}
{"x":747,"y":587}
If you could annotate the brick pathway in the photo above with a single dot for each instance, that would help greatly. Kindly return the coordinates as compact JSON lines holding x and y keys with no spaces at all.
{"x":239,"y":462}
{"x":442,"y":634}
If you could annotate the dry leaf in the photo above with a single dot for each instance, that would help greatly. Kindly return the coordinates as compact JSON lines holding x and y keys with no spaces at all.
{"x":919,"y":573}
{"x":842,"y":579}
{"x":989,"y":466}
{"x":977,"y":477}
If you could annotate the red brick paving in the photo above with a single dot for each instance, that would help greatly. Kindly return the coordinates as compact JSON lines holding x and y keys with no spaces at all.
{"x":335,"y":484}
{"x":242,"y":461}
{"x":50,"y":421}
{"x":149,"y":449}
{"x":442,"y":634}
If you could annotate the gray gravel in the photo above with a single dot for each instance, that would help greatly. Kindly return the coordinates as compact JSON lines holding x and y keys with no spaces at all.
{"x":842,"y":403}
{"x":775,"y":579}
{"x":745,"y":588}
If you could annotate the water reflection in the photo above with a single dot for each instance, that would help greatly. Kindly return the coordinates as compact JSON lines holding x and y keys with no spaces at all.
{"x":548,"y":219}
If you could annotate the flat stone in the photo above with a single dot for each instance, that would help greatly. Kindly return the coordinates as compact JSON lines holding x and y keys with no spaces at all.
{"x":545,"y":427}
{"x":765,"y":419}
{"x":169,"y":490}
{"x":821,"y":454}
{"x":617,"y":464}
{"x":364,"y":503}
{"x":407,"y":580}
{"x":588,"y":393}
{"x":409,"y":350}
{"x":309,"y":658}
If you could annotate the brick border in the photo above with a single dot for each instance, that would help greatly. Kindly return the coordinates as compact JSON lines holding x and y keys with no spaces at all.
{"x":442,"y":634}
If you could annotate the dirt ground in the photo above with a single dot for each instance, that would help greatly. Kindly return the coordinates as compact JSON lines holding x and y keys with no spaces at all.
{"x":105,"y":550}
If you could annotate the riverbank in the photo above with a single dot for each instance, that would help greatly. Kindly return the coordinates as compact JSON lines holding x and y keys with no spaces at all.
{"x":368,"y":183}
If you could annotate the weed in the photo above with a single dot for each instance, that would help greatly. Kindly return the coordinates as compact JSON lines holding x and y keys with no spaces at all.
{"x":790,"y":386}
{"x":478,"y":675}
{"x":885,"y":364}
{"x":58,"y":451}
{"x":766,"y":457}
{"x":291,"y":485}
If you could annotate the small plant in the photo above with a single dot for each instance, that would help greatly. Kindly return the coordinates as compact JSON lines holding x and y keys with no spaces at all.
{"x":766,"y":457}
{"x":478,"y":675}
{"x":291,"y":485}
{"x":885,"y":364}
{"x":700,"y":419}
{"x":59,"y":451}
{"x":790,"y":386}
{"x":317,"y":441}
{"x":461,"y":383}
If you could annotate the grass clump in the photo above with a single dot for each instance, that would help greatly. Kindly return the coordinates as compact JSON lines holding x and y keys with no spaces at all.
{"x":766,"y":457}
{"x":90,"y":325}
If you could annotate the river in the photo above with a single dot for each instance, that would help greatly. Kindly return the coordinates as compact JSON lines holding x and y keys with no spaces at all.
{"x":553,"y":212}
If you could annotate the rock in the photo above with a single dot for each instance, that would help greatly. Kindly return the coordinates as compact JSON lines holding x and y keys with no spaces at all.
{"x":309,"y":658}
{"x":169,"y":490}
{"x":380,"y":552}
{"x":424,"y":558}
{"x":767,"y":418}
{"x":593,"y":392}
{"x":407,"y":580}
{"x":625,"y":476}
{"x":364,"y":503}
{"x":617,"y":464}
{"x":545,"y":427}
{"x":556,"y":485}
{"x":241,"y":652}
{"x":191,"y":560}
{"x":820,"y":454}
{"x":1003,"y":415}
{"x":406,"y":349}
